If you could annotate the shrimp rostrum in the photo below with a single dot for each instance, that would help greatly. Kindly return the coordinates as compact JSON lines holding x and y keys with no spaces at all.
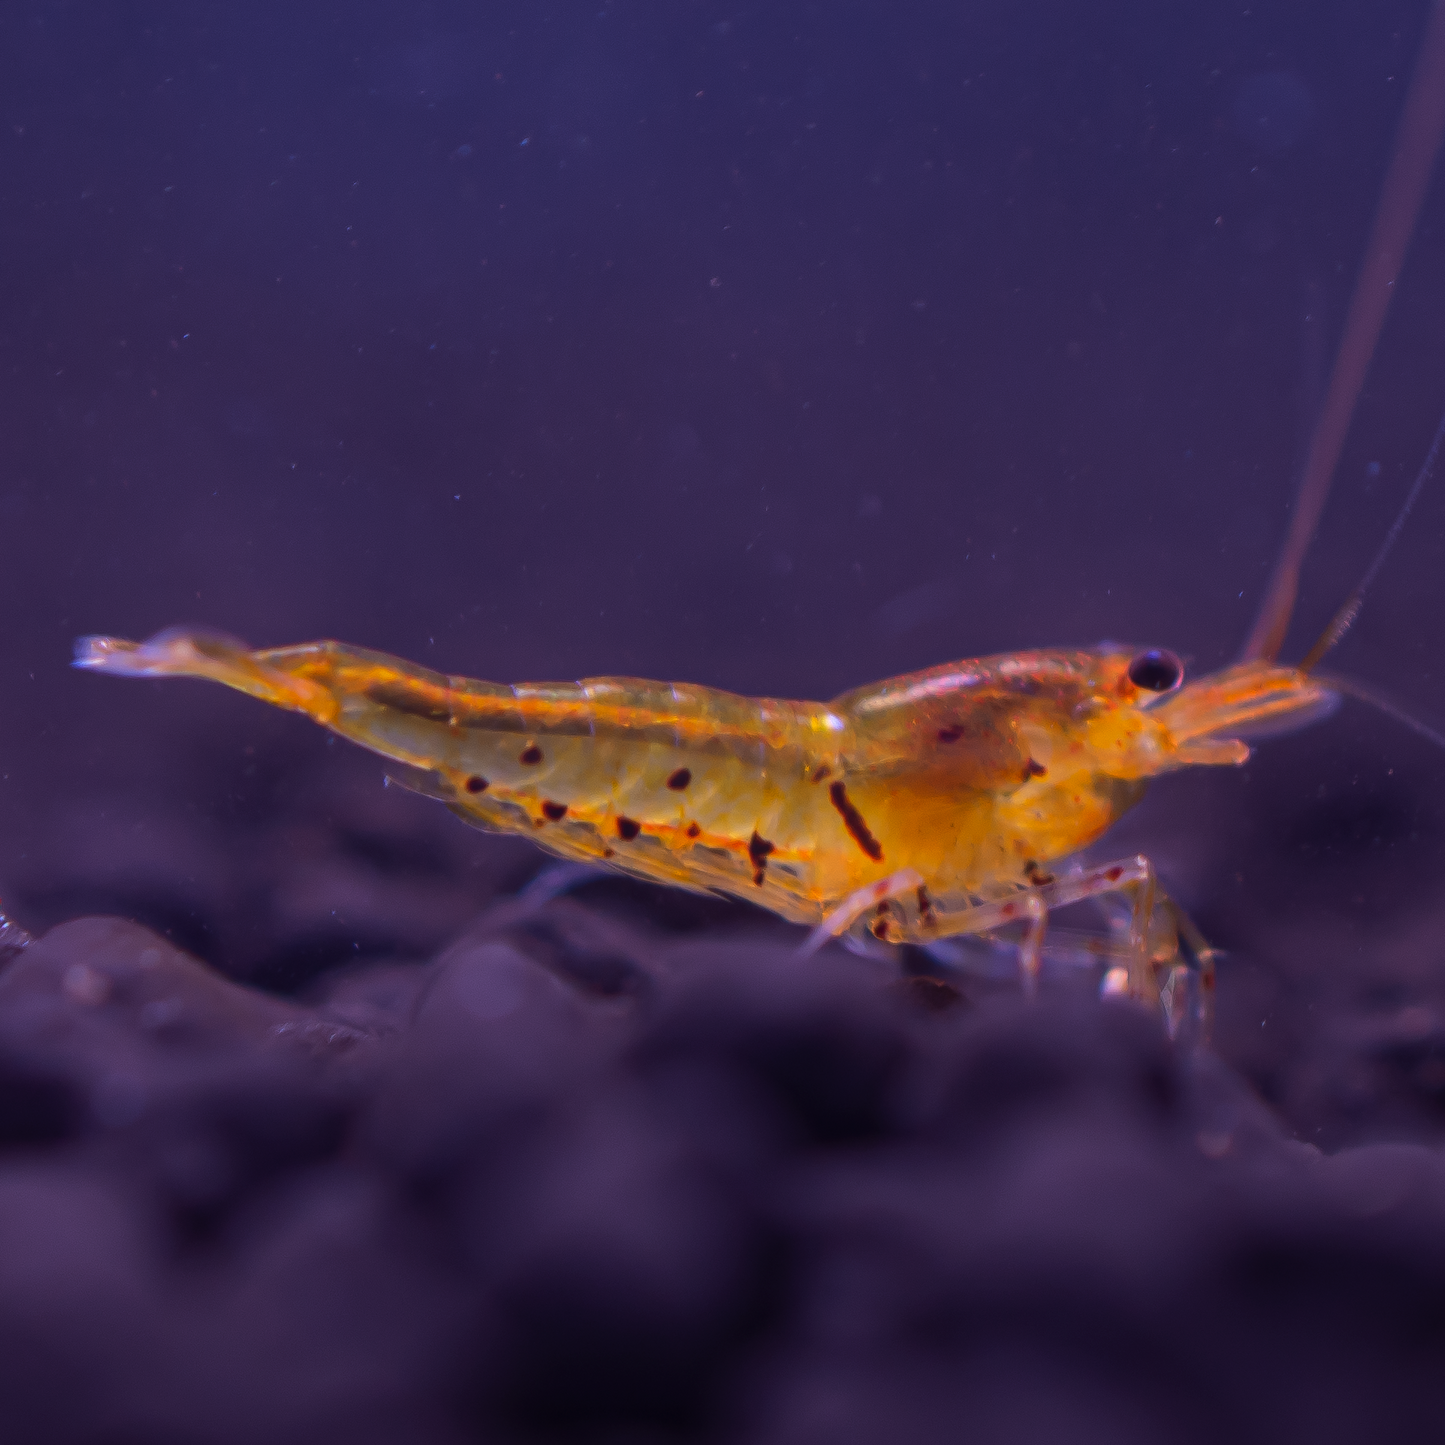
{"x":920,"y":808}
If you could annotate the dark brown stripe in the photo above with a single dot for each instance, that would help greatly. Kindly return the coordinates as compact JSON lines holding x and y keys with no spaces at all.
{"x":758,"y":850}
{"x":853,"y":821}
{"x":401,"y":698}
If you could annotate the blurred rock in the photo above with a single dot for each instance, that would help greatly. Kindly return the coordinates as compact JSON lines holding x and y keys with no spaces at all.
{"x":710,"y":1191}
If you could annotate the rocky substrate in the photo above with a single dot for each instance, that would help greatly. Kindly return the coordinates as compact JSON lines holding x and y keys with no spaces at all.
{"x":572,"y":1180}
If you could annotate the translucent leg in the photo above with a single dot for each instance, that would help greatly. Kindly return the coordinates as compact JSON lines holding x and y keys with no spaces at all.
{"x":1133,"y":877}
{"x":560,"y":878}
{"x":1203,"y":958}
{"x":12,"y":939}
{"x":1174,"y":998}
{"x":1027,"y":906}
{"x":856,"y":904}
{"x":1157,"y":926}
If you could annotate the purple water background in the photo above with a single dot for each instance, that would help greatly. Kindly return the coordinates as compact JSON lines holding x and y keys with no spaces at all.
{"x":779,"y":349}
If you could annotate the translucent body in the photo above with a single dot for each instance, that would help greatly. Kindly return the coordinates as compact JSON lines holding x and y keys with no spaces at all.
{"x":966,"y":780}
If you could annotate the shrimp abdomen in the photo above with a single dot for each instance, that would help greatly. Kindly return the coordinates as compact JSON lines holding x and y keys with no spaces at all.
{"x":678,"y":783}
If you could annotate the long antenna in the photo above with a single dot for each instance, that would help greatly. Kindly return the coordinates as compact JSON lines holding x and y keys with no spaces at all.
{"x":1344,"y":619}
{"x":1416,"y":145}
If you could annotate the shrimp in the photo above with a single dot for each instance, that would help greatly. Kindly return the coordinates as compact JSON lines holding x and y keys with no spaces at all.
{"x":919,"y":808}
{"x":929,"y":806}
{"x":913,"y":810}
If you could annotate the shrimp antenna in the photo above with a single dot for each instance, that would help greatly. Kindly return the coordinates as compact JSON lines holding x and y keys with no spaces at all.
{"x":1416,"y":145}
{"x":1342,"y":621}
{"x":1363,"y":692}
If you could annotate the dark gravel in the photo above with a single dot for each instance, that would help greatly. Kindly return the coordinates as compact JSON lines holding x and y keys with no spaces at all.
{"x":710,"y":1192}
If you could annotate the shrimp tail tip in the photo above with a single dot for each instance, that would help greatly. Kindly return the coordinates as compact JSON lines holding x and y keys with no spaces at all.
{"x":105,"y":654}
{"x":181,"y":650}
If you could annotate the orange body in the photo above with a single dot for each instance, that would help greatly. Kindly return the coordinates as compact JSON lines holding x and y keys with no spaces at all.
{"x":976,"y":775}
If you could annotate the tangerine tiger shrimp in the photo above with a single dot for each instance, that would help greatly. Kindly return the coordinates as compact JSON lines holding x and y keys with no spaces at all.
{"x":919,"y":808}
{"x":939,"y":804}
{"x":914,"y":810}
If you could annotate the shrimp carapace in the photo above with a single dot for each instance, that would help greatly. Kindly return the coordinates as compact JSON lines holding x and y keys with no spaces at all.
{"x":972,"y":777}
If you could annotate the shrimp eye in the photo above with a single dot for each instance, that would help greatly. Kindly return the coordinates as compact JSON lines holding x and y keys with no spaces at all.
{"x":1156,"y":671}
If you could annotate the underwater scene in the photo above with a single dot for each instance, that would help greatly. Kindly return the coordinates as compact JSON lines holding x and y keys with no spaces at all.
{"x":870,"y":576}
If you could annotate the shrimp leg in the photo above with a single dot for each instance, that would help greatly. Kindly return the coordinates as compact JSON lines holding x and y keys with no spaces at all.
{"x":856,"y":904}
{"x":1201,"y":963}
{"x":981,"y":918}
{"x":1134,"y":877}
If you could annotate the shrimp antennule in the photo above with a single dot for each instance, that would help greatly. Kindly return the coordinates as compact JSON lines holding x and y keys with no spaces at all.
{"x":1421,"y":127}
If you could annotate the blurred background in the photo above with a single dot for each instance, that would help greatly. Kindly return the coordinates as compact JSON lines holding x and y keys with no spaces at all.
{"x":779,"y":348}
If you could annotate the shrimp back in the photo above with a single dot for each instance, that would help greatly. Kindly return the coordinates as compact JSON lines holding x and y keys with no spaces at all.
{"x":975,"y":775}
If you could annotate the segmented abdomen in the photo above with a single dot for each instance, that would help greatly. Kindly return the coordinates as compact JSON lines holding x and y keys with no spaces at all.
{"x":681,"y":784}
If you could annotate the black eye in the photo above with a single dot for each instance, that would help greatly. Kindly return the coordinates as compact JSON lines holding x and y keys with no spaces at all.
{"x":1156,"y":671}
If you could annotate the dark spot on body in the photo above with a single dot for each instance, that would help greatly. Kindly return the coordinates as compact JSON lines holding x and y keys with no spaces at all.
{"x":820,"y":773}
{"x":925,"y":904}
{"x":853,"y":821}
{"x":609,"y":852}
{"x":531,"y":755}
{"x":476,"y":783}
{"x":879,"y":929}
{"x":1035,"y":770}
{"x":758,"y":850}
{"x":949,"y":735}
{"x":693,"y":830}
{"x":627,"y":829}
{"x":554,"y":811}
{"x":1036,"y":875}
{"x":680,"y":779}
{"x":408,"y":698}
{"x":1114,"y":874}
